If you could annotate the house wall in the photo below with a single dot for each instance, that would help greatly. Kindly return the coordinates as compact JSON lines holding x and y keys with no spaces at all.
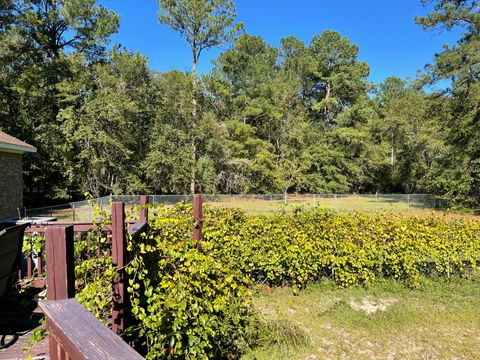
{"x":11,"y":184}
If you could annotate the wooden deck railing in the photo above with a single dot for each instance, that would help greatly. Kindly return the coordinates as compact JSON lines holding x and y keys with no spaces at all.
{"x":72,"y":330}
{"x":81,"y":230}
{"x":78,"y":335}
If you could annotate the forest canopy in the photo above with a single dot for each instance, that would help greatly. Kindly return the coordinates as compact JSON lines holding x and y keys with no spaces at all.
{"x":300,"y":117}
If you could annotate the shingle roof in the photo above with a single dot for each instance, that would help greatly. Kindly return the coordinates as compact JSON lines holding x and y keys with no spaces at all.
{"x":11,"y":143}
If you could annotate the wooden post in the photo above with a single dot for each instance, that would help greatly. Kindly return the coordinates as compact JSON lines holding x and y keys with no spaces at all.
{"x":59,"y":251}
{"x":29,"y":265}
{"x":144,"y":208}
{"x":109,"y":244}
{"x":40,"y":264}
{"x":30,"y":260}
{"x":88,"y":245}
{"x":79,"y":240}
{"x":119,"y":250}
{"x":198,"y":219}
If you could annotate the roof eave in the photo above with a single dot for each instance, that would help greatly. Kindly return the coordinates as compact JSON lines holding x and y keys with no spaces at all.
{"x":17,"y":148}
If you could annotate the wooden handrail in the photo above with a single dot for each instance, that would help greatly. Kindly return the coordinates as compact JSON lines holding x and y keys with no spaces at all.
{"x":82,"y":336}
{"x":77,"y":226}
{"x":137,"y":228}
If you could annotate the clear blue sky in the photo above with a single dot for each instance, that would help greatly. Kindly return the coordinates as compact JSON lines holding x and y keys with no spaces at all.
{"x":385,"y":30}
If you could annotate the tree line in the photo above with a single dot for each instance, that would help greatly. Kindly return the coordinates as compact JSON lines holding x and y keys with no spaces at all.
{"x":298,"y":117}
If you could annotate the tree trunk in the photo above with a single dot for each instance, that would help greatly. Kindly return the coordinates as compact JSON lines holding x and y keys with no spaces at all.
{"x":194,"y":126}
{"x":392,"y":155}
{"x":328,"y":93}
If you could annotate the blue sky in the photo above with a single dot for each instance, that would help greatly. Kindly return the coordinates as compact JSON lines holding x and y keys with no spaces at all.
{"x":385,"y":30}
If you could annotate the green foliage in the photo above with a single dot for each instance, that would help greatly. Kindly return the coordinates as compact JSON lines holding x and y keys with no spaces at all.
{"x":94,"y":271}
{"x":293,"y":118}
{"x":188,"y":305}
{"x":193,"y":304}
{"x":456,"y":177}
{"x":95,"y":277}
{"x":167,"y":164}
{"x":203,"y":23}
{"x":38,"y":335}
{"x":352,"y":249}
{"x":336,"y":72}
{"x":463,"y":58}
{"x":39,"y":46}
{"x":104,"y":123}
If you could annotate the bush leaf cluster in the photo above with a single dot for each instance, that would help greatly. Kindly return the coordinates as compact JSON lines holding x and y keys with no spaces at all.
{"x":352,"y":248}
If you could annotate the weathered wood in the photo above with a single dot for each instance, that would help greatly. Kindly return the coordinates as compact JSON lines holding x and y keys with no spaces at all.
{"x":144,"y":208}
{"x":88,"y":246}
{"x":119,"y":250}
{"x":81,"y":335}
{"x":59,"y":251}
{"x":29,"y":264}
{"x":78,"y":227}
{"x":40,"y":264}
{"x":197,"y":218}
{"x":79,"y":240}
{"x":137,"y":228}
{"x":109,"y":242}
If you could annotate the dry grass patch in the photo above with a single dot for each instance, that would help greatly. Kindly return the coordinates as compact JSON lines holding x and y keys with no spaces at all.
{"x":441,"y":320}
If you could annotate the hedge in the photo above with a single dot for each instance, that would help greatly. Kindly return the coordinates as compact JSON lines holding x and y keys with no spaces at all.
{"x":192,"y":305}
{"x":353,"y":249}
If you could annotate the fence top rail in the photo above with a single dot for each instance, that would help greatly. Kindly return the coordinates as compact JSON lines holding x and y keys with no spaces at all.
{"x":77,"y":226}
{"x":82,"y":335}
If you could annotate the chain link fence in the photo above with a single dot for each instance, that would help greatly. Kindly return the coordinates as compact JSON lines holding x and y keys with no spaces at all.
{"x":254,"y":203}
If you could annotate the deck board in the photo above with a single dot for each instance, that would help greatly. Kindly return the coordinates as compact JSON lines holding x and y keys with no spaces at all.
{"x":38,"y":352}
{"x":20,"y":313}
{"x":24,"y":324}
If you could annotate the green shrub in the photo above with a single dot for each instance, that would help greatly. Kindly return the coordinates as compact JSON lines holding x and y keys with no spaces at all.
{"x":94,"y":270}
{"x":187,"y":304}
{"x":303,"y":246}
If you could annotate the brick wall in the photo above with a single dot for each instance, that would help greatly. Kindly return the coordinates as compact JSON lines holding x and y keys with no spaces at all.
{"x":11,"y":184}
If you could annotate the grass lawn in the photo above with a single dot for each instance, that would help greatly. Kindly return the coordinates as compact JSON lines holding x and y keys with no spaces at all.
{"x":268,"y":205}
{"x":441,"y":320}
{"x":342,"y":203}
